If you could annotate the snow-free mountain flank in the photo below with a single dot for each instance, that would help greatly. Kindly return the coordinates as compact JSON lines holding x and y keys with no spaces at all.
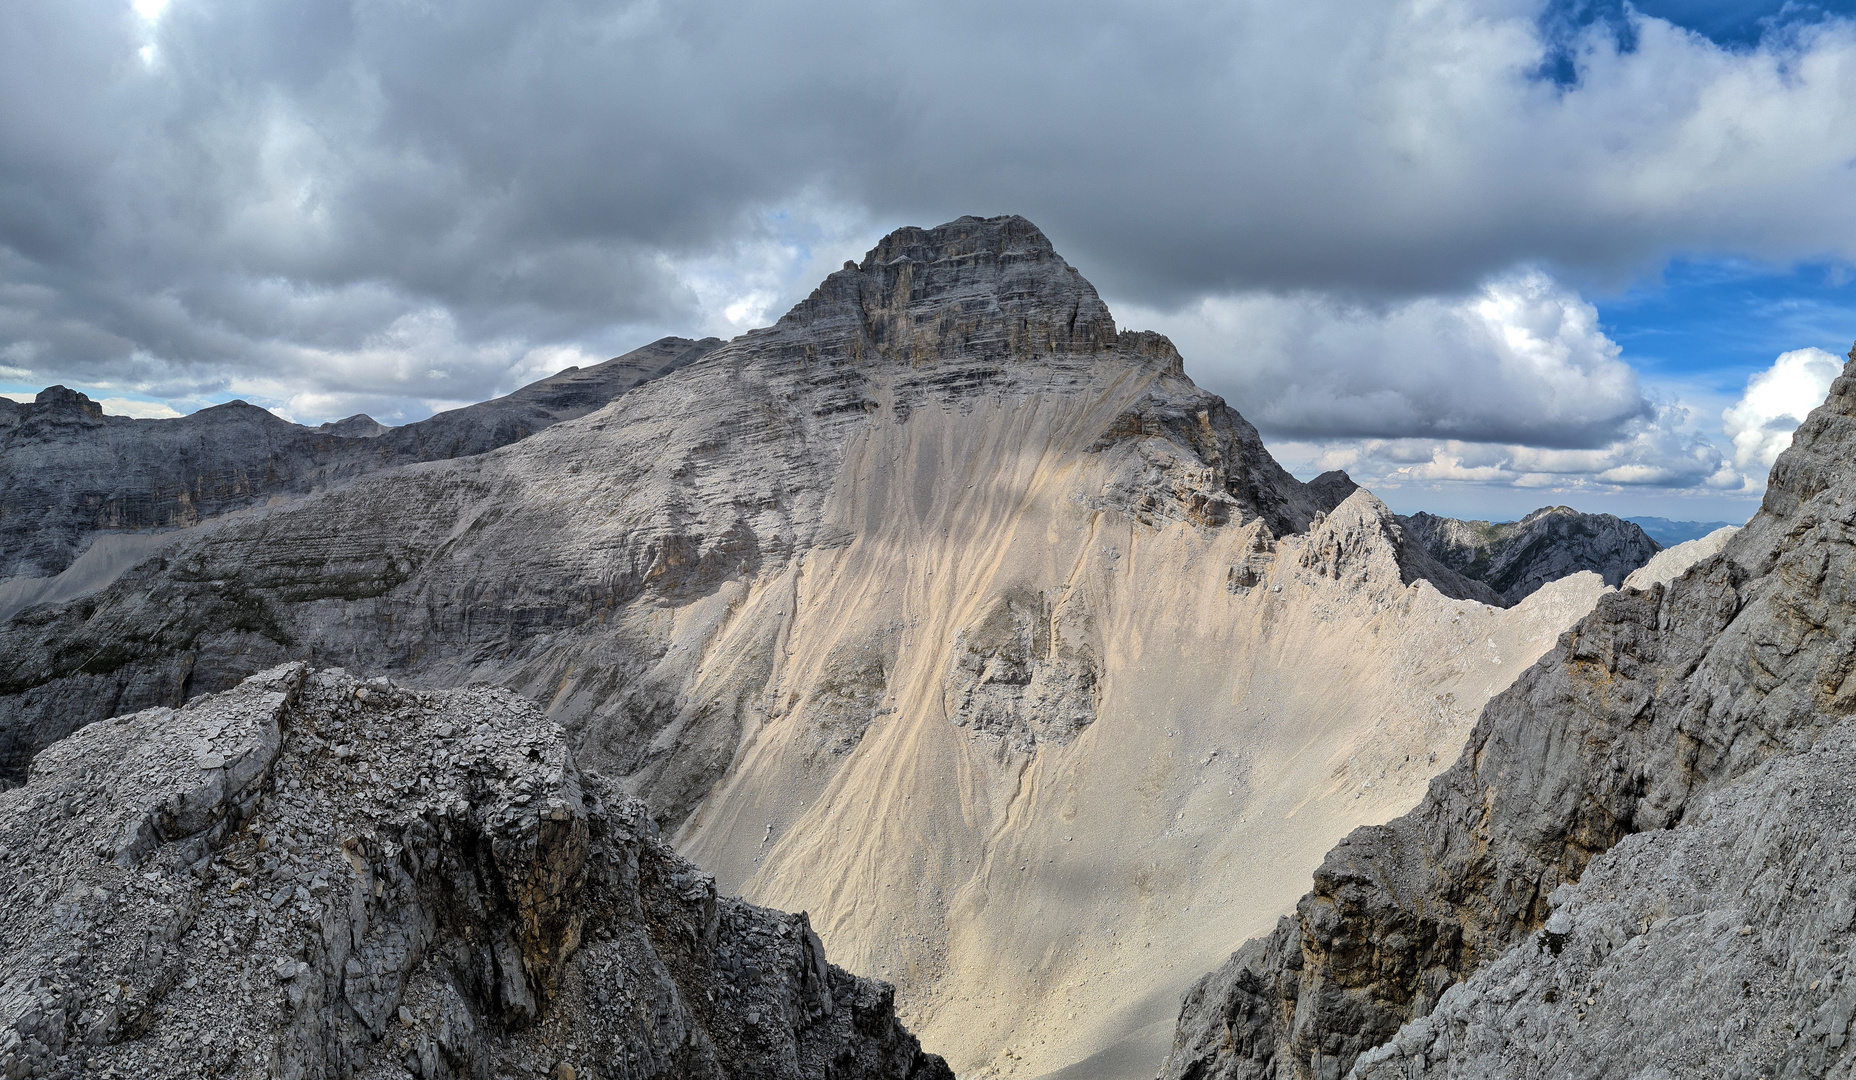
{"x":943,"y":610}
{"x":1639,"y":863}
{"x":1514,"y":558}
{"x":309,"y":875}
{"x":69,"y":473}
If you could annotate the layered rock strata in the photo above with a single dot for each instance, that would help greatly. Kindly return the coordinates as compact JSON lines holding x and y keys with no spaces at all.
{"x":1637,"y":860}
{"x":69,"y":473}
{"x":872,"y":606}
{"x":313,"y":876}
{"x":1516,"y":557}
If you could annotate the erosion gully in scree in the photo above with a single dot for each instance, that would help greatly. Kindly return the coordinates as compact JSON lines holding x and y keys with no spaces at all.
{"x":957,"y":622}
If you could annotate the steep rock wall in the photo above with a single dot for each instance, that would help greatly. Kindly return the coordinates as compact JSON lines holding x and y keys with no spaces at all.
{"x":1516,"y":557}
{"x":1654,"y":702}
{"x":69,"y":473}
{"x":942,"y":609}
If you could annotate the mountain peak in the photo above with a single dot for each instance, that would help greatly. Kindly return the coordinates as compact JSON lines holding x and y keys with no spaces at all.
{"x":974,"y":288}
{"x":963,"y":237}
{"x":65,"y":399}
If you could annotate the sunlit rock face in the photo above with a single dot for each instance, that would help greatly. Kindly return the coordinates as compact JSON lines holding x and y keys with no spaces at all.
{"x":1638,"y":865}
{"x":943,"y":610}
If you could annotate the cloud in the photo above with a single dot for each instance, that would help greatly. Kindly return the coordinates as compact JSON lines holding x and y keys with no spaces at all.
{"x":141,"y":410}
{"x":1776,"y":401}
{"x":198,"y":192}
{"x":1521,"y":360}
{"x":1662,"y":451}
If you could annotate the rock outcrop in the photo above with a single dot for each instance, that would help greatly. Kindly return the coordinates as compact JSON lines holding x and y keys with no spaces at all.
{"x":1516,"y":557}
{"x":312,"y":876}
{"x":69,"y":473}
{"x":1717,"y":948}
{"x":870,"y":606}
{"x":1671,"y":563}
{"x":1637,"y":858}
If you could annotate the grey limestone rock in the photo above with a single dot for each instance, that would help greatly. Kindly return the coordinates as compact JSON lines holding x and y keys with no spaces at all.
{"x":1362,"y":530}
{"x":358,"y":426}
{"x":1024,"y":672}
{"x":314,"y":876}
{"x":1671,"y":563}
{"x":1515,"y":558}
{"x":1719,"y":948}
{"x":69,"y":472}
{"x":1683,"y":725}
{"x":544,"y":565}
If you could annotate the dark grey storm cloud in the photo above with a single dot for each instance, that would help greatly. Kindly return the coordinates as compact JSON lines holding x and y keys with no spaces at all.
{"x":335,"y":203}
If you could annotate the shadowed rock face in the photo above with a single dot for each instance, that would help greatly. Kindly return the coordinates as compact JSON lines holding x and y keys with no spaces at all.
{"x":1516,"y":557}
{"x":310,"y":876}
{"x":67,"y":471}
{"x":866,"y":604}
{"x":1698,"y":707}
{"x":696,"y":477}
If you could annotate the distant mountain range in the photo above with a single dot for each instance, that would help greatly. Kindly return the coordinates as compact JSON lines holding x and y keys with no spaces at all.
{"x":1515,"y":558}
{"x":1670,"y":533}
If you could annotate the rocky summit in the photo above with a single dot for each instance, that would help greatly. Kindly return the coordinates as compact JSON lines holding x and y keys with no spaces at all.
{"x":944,"y":610}
{"x":314,"y":876}
{"x":1639,"y":865}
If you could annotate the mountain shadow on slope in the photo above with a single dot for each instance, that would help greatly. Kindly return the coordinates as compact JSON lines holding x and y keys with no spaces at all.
{"x":1687,"y":744}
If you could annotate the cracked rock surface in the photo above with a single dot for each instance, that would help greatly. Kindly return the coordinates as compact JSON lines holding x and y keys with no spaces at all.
{"x":314,"y":876}
{"x":1720,"y":948}
{"x":1638,"y":867}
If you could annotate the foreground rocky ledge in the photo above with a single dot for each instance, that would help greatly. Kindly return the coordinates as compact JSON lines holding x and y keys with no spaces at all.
{"x":309,"y":876}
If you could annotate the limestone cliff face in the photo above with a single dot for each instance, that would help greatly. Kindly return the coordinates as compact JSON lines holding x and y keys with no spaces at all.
{"x":68,"y":473}
{"x":1516,"y":557}
{"x":310,"y":876}
{"x":1667,"y":737}
{"x":672,"y":498}
{"x":943,"y":610}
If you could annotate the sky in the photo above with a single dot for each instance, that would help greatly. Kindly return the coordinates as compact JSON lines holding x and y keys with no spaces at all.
{"x":1486,"y":255}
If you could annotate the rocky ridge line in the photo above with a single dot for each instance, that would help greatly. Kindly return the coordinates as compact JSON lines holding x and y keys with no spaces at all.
{"x":719,"y":471}
{"x":68,"y":472}
{"x":1514,"y":558}
{"x":1645,"y":716}
{"x":871,"y":573}
{"x":311,"y":876}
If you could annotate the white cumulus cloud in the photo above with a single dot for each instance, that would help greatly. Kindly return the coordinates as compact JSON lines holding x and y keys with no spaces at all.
{"x":140,"y":410}
{"x":1776,"y":401}
{"x":1520,"y":360}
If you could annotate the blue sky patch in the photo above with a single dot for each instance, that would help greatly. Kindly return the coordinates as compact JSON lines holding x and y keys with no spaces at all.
{"x":1712,"y":323}
{"x":1730,"y":23}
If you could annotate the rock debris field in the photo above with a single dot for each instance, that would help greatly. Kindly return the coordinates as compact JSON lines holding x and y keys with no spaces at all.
{"x":313,"y":876}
